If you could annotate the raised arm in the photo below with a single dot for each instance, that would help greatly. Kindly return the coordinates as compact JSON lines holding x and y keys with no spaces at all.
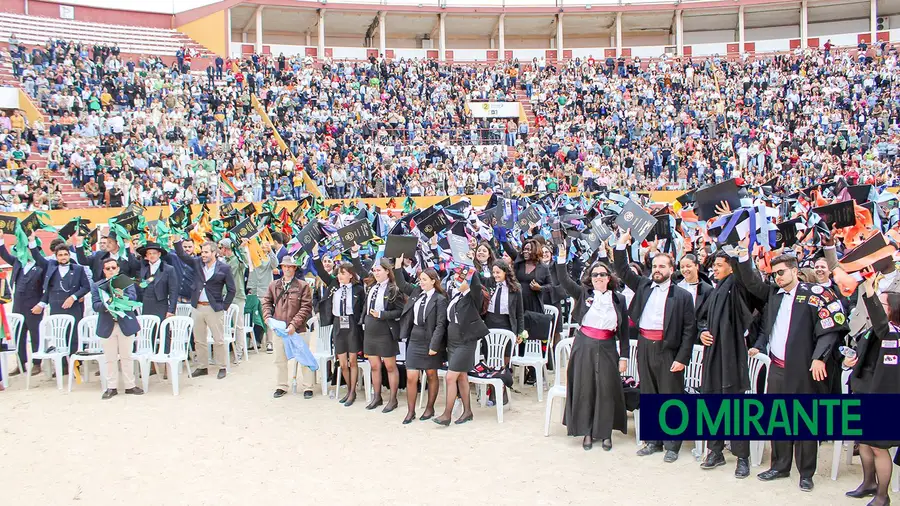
{"x":620,"y":264}
{"x":562,"y":274}
{"x":182,"y":255}
{"x":5,"y":255}
{"x":400,"y":279}
{"x":476,"y":293}
{"x":880,"y":325}
{"x":324,"y":275}
{"x":745,"y":276}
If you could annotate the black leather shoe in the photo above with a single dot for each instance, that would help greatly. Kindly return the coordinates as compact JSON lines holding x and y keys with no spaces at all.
{"x":426,"y":416}
{"x":587,"y":443}
{"x":861,"y":492}
{"x":279,"y":393}
{"x":445,"y":423}
{"x":771,"y":474}
{"x":409,"y":418}
{"x":110,"y":393}
{"x":879,"y":502}
{"x":806,"y":484}
{"x":222,"y":373}
{"x":350,"y":400}
{"x":308,"y":394}
{"x":742,"y":469}
{"x":712,"y":460}
{"x":606,"y":444}
{"x":199,"y":372}
{"x":375,"y":403}
{"x":649,"y":450}
{"x":464,"y":419}
{"x":671,"y":456}
{"x":134,"y":391}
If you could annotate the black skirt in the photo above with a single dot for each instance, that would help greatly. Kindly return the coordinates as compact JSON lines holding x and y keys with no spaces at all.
{"x":378,"y":340}
{"x":344,"y":340}
{"x":461,"y":353}
{"x":595,"y":402}
{"x":417,"y":356}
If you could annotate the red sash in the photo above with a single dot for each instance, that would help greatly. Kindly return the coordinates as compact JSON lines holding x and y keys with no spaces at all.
{"x":653,"y":335}
{"x":599,"y":334}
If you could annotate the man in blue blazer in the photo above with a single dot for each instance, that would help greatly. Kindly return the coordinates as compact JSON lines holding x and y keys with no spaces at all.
{"x":28,"y":288}
{"x":65,"y":285}
{"x":214,"y":290}
{"x":118,"y":335}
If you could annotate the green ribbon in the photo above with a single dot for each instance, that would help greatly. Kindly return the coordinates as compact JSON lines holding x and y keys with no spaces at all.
{"x":44,"y":216}
{"x":218,"y":230}
{"x":117,"y":303}
{"x":120,"y":234}
{"x":20,"y":248}
{"x":163,"y":233}
{"x":409,"y":205}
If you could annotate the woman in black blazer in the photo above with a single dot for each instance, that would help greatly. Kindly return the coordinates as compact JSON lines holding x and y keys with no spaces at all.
{"x":505,"y":309}
{"x":384,"y":305}
{"x":530,"y":272}
{"x":424,"y":324}
{"x":595,"y":401}
{"x":484,"y":259}
{"x":342,"y":308}
{"x":464,"y":328}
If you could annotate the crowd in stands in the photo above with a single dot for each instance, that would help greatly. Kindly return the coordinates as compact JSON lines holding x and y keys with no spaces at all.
{"x":135,"y":129}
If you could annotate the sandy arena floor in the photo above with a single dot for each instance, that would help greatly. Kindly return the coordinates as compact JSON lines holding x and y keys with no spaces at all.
{"x":229,"y":442}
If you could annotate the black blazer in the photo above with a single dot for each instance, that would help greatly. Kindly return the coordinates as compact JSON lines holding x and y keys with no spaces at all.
{"x":220,"y":289}
{"x":435,"y":313}
{"x":680,"y":320}
{"x":393,"y":307}
{"x":161,"y":294}
{"x":77,"y":278}
{"x":105,"y":321}
{"x":359,"y":301}
{"x":580,"y":293}
{"x":28,"y":288}
{"x":468,"y":311}
{"x":516,"y":309}
{"x":129,"y":266}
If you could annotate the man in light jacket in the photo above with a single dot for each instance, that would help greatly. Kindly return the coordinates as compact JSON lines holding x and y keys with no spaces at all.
{"x":289,"y":300}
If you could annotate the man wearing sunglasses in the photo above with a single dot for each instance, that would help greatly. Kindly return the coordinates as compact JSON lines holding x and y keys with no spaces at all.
{"x":801,"y":324}
{"x":117,"y":332}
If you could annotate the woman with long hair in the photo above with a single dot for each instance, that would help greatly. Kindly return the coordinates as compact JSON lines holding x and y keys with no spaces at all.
{"x":484,"y":260}
{"x":505,"y":309}
{"x":595,"y":401}
{"x":875,"y":372}
{"x":424,"y":323}
{"x":384,"y":305}
{"x":530,"y":272}
{"x":342,"y":308}
{"x":464,"y":328}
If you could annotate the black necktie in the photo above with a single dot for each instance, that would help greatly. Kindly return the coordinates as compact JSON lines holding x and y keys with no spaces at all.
{"x":374,"y":296}
{"x":344,"y":301}
{"x":495,"y":305}
{"x":422,"y":303}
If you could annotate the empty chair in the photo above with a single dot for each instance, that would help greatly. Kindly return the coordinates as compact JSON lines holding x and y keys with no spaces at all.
{"x":16,"y":321}
{"x":535,"y":355}
{"x":90,"y":348}
{"x":324,"y":352}
{"x":558,"y":390}
{"x":53,"y":344}
{"x":183,"y":309}
{"x":632,"y":371}
{"x":249,"y":337}
{"x":693,"y":376}
{"x":179,"y":328}
{"x":756,"y":364}
{"x":143,"y":346}
{"x":497,"y":341}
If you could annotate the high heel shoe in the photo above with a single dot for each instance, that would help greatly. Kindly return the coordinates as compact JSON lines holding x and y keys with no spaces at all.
{"x":409,"y":418}
{"x":587,"y":443}
{"x":606,"y":444}
{"x":861,"y":492}
{"x":445,"y":423}
{"x":464,"y":419}
{"x":344,"y":399}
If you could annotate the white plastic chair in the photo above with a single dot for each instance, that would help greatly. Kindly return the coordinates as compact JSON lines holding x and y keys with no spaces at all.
{"x":755,"y":366}
{"x":249,"y":337}
{"x":229,"y":324}
{"x":423,"y":380}
{"x":558,"y":390}
{"x":16,"y":322}
{"x":365,"y":374}
{"x":569,"y":328}
{"x":180,"y":329}
{"x":183,"y":309}
{"x":497,"y":341}
{"x":632,"y":370}
{"x":53,"y":334}
{"x":90,"y":348}
{"x":144,"y":346}
{"x":839,"y":445}
{"x":88,"y":306}
{"x":693,"y":376}
{"x":324,"y":350}
{"x":534,"y":356}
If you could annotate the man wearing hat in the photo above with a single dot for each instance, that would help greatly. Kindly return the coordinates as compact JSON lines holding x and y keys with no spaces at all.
{"x":289,"y":299}
{"x":158,"y":284}
{"x":239,"y":271}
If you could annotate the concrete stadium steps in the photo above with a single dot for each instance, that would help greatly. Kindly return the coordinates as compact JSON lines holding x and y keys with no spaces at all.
{"x":522,"y":97}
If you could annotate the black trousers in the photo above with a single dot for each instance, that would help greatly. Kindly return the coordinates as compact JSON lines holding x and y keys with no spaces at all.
{"x":783,"y":452}
{"x":654,"y":363}
{"x":740,"y":449}
{"x":29,"y":327}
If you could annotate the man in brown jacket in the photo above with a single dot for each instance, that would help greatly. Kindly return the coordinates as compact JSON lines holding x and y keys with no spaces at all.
{"x":289,"y":300}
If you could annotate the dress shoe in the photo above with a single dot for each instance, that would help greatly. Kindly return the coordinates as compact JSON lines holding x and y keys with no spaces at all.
{"x":464,"y":419}
{"x":877,"y":501}
{"x":308,"y":394}
{"x":671,"y":456}
{"x":606,"y":444}
{"x":861,"y":492}
{"x":375,"y":403}
{"x":199,"y":372}
{"x":222,"y":373}
{"x":344,"y":398}
{"x":649,"y":450}
{"x":587,"y":443}
{"x":134,"y":391}
{"x":390,"y":406}
{"x":712,"y":460}
{"x":279,"y":393}
{"x":742,"y":469}
{"x":36,"y":370}
{"x":110,"y":393}
{"x":269,"y":348}
{"x":426,"y":416}
{"x":445,"y":423}
{"x":771,"y":474}
{"x":410,"y":418}
{"x":350,"y":400}
{"x":806,"y":484}
{"x":16,"y":372}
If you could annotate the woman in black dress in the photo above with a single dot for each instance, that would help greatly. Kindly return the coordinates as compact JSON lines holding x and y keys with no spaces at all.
{"x":464,"y":328}
{"x":342,"y":308}
{"x":531,"y":273}
{"x":876,"y":371}
{"x":424,"y":323}
{"x":384,"y":304}
{"x":595,"y":401}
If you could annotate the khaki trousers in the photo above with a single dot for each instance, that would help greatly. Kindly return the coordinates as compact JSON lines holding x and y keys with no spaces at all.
{"x":239,"y":328}
{"x":307,"y":377}
{"x":118,"y":347}
{"x":205,"y":318}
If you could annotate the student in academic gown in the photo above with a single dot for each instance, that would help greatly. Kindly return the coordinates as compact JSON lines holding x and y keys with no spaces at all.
{"x":664,"y":315}
{"x":595,"y":401}
{"x":28,"y":289}
{"x":424,"y":324}
{"x":343,"y":308}
{"x":531,"y":274}
{"x":722,"y":326}
{"x":876,"y":370}
{"x":464,"y":328}
{"x":384,"y":304}
{"x":801,"y":324}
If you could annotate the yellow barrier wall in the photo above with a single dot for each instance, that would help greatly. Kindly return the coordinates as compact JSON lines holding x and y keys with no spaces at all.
{"x":209,"y":31}
{"x":27,"y":106}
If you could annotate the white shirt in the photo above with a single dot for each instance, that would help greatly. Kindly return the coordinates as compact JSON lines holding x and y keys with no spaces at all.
{"x":691,"y":288}
{"x":602,"y":312}
{"x":778,"y":338}
{"x":63,"y":270}
{"x":654,"y":313}
{"x":500,"y":300}
{"x":451,"y":313}
{"x":27,"y":267}
{"x":348,"y":302}
{"x":377,"y":291}
{"x":208,"y":272}
{"x":154,"y":267}
{"x":419,"y":303}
